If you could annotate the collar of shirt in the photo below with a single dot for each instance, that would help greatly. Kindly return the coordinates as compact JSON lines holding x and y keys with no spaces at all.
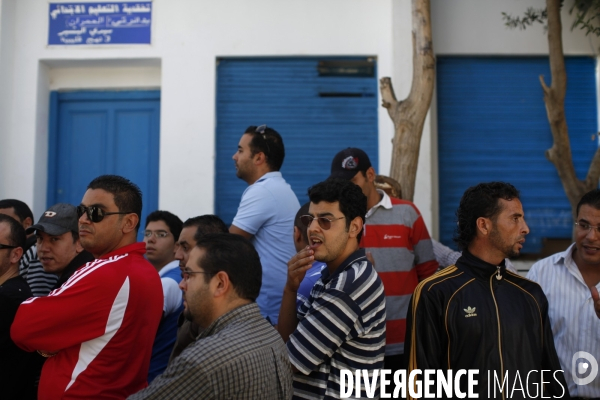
{"x":170,"y":266}
{"x":358,"y":255}
{"x":224,"y":320}
{"x":385,"y":202}
{"x":268,"y":175}
{"x":566,"y":258}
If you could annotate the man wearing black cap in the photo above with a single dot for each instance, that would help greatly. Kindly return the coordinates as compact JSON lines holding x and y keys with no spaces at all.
{"x":58,"y":246}
{"x":398,"y":241}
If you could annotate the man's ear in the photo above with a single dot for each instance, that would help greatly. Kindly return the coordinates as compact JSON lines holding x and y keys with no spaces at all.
{"x":16,"y":255}
{"x":484,"y":225}
{"x":27,"y":222}
{"x":297,"y":236}
{"x":221,"y":284}
{"x":355,"y":228}
{"x":130,"y":221}
{"x":370,"y":174}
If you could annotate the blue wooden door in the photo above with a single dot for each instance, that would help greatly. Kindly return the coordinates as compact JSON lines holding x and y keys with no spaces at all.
{"x":319,"y":106}
{"x":492,"y":125}
{"x":96,"y":133}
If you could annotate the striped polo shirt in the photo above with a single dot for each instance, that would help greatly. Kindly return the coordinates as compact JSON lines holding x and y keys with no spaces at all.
{"x":396,"y":236}
{"x":341,"y":326}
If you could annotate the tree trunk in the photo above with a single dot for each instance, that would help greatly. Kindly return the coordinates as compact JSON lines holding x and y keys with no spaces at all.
{"x":409,"y":115}
{"x":554,"y":98}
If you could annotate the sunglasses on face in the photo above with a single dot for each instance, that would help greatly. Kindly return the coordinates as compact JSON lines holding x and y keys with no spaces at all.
{"x":324,"y":222}
{"x":95,"y":213}
{"x":6,"y":246}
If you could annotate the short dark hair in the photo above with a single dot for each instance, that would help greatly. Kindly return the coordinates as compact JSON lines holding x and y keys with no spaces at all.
{"x":298,"y":224}
{"x":480,"y":201}
{"x":591,"y":198}
{"x":270,"y":143}
{"x":128,"y":196}
{"x":17,"y":235}
{"x":237,"y":257}
{"x":173,"y":222}
{"x":209,"y":223}
{"x":22,"y":210}
{"x":353,"y":203}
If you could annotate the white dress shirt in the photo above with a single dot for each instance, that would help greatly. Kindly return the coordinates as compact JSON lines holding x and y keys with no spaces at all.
{"x":575,"y":326}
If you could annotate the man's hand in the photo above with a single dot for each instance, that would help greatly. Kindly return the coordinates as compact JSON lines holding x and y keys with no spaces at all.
{"x":297,"y":267}
{"x":596,"y":299}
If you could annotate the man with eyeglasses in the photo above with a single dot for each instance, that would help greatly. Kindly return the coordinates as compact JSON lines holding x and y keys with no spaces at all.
{"x":266,"y":211}
{"x":342,"y":324}
{"x":397,"y":238}
{"x":98,"y":328}
{"x":193,"y":229}
{"x":238,"y":354}
{"x":18,"y":368}
{"x":160,"y":235}
{"x":571,"y":281}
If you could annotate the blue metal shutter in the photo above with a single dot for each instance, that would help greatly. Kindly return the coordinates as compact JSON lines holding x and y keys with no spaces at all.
{"x":317,"y":116}
{"x":492,"y":125}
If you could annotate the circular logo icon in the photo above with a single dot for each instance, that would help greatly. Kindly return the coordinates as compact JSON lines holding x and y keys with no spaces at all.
{"x":581,"y":363}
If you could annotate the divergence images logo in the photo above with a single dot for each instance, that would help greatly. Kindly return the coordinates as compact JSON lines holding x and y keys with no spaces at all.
{"x":580,"y":368}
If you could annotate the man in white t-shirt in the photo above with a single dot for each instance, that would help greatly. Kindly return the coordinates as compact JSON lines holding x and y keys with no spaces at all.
{"x":161,"y":235}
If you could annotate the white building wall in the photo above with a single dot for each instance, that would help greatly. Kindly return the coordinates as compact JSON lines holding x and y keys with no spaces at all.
{"x":188,"y":36}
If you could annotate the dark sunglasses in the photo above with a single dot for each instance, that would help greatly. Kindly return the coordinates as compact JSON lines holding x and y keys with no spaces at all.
{"x":261,"y":131}
{"x":6,"y":246}
{"x":324,"y":222}
{"x":95,"y":213}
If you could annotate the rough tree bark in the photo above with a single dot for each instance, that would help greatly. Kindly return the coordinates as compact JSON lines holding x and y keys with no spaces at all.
{"x":554,"y":98}
{"x":409,"y":115}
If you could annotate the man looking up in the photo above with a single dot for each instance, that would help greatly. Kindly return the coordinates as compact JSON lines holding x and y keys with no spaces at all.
{"x":238,"y":354}
{"x":30,"y":268}
{"x":160,"y":235}
{"x":476,"y":315}
{"x":58,"y":246}
{"x":97,"y":330}
{"x":266,"y":212}
{"x":342,"y":325}
{"x":397,"y":238}
{"x":569,"y":280}
{"x":193,"y":229}
{"x":18,"y":369}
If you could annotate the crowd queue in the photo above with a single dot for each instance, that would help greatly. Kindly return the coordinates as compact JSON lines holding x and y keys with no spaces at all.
{"x":277,"y":304}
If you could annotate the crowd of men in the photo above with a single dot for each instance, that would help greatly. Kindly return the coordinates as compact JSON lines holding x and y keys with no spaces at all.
{"x":276,"y":305}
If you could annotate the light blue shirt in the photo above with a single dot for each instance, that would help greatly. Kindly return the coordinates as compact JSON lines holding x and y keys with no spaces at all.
{"x":575,"y":326}
{"x":267,"y":211}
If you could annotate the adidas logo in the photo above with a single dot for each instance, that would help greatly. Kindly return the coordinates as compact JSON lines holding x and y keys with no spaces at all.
{"x":470,"y":312}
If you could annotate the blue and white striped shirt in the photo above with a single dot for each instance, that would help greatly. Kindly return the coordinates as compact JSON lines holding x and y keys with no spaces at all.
{"x":575,"y":326}
{"x":342,"y":326}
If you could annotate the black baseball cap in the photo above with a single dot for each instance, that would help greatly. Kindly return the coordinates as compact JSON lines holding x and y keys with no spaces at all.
{"x":57,"y":220}
{"x":348,"y":162}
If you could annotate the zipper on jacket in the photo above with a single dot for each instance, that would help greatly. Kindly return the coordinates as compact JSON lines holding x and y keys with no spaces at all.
{"x":498,"y":274}
{"x":499,"y":328}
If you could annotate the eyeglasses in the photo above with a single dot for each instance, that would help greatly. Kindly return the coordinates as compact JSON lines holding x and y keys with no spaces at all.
{"x":157,"y":234}
{"x":585,"y":227}
{"x":6,"y":246}
{"x":324,"y":222}
{"x":186,"y":273}
{"x":261,"y":131}
{"x":95,"y":213}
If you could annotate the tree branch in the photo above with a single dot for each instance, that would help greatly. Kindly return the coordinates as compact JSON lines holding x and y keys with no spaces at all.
{"x":593,"y":175}
{"x":388,"y":97}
